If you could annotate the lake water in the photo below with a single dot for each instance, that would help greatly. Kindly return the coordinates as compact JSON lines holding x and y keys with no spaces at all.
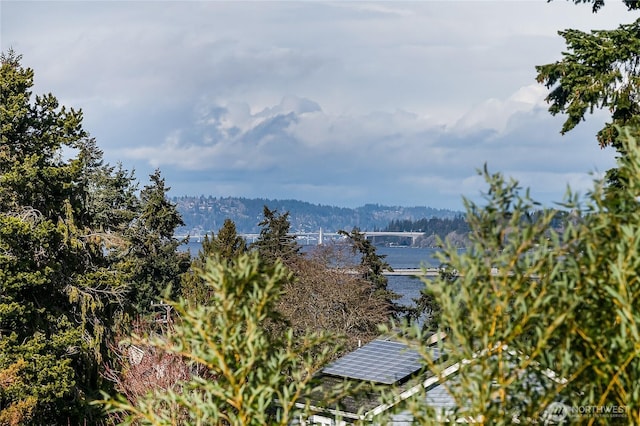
{"x":407,"y":257}
{"x":399,"y":258}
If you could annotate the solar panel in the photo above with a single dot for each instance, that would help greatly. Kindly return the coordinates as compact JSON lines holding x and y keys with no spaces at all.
{"x":380,"y":361}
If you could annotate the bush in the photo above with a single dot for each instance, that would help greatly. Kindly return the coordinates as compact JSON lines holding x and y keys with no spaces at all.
{"x":538,"y":317}
{"x":249,"y":377}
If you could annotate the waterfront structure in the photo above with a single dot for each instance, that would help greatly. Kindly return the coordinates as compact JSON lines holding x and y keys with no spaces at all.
{"x":315,"y":237}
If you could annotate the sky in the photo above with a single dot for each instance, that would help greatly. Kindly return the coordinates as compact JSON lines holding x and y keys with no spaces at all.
{"x":334,"y":103}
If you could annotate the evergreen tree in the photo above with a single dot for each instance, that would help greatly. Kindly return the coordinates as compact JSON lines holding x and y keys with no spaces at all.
{"x":227,"y":246}
{"x":108,"y":198}
{"x":601,"y":69}
{"x":373,"y":263}
{"x":58,"y":294}
{"x":152,"y":260}
{"x":373,"y":266}
{"x":274,"y":241}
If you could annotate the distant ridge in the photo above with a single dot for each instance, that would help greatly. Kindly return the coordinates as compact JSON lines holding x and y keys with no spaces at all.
{"x":204,"y":214}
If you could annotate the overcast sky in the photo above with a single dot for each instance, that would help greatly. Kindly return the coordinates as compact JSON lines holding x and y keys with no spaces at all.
{"x":340,"y":103}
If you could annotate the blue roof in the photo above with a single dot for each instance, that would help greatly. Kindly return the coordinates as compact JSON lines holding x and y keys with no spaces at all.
{"x":380,"y":361}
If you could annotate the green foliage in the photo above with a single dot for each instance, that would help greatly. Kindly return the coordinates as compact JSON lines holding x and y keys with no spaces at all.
{"x":108,"y":201}
{"x":58,"y":294}
{"x":152,"y":260}
{"x":598,"y":4}
{"x":227,"y":245}
{"x":274,"y":241}
{"x":373,"y":263}
{"x":251,"y":378}
{"x":601,"y":69}
{"x":534,"y":316}
{"x":32,"y":136}
{"x":433,"y":226}
{"x":373,"y":266}
{"x":192,"y":286}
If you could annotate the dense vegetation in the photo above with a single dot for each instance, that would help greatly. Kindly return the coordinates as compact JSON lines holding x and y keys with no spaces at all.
{"x":88,"y":262}
{"x":80,"y":255}
{"x":435,"y":230}
{"x":253,"y":326}
{"x":433,"y":226}
{"x":542,"y":324}
{"x":542,"y":311}
{"x":242,"y":368}
{"x":456,"y":230}
{"x":535,"y":314}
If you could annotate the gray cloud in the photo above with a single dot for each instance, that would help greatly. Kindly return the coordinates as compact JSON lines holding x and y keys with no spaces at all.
{"x":302,"y":150}
{"x":333,"y":102}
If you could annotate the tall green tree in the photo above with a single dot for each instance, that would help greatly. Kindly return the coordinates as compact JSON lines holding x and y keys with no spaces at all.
{"x":152,"y":259}
{"x":108,"y":196}
{"x":227,"y":245}
{"x":372,"y":266}
{"x":58,"y":293}
{"x":275,"y":241}
{"x":599,"y":70}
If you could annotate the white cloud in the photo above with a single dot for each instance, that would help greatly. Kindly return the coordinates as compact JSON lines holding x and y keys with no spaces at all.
{"x":305,"y":151}
{"x":496,"y":114}
{"x":346,"y":102}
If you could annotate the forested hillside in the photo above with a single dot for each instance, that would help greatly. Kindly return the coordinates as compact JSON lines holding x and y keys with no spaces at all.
{"x":204,"y":214}
{"x":456,"y":230}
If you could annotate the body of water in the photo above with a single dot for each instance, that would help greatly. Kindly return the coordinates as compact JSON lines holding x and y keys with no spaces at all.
{"x":399,"y":258}
{"x":408,"y":257}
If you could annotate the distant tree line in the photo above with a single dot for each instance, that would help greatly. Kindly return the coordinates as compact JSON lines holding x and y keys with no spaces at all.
{"x":440,"y":227}
{"x":207,"y":213}
{"x":456,"y":230}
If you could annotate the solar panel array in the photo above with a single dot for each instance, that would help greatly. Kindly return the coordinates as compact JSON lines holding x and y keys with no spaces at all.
{"x":380,"y":361}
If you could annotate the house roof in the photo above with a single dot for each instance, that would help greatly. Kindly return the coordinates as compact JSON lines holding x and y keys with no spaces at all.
{"x":380,"y":361}
{"x":439,"y":398}
{"x":382,"y":367}
{"x":356,"y":405}
{"x":367,"y":402}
